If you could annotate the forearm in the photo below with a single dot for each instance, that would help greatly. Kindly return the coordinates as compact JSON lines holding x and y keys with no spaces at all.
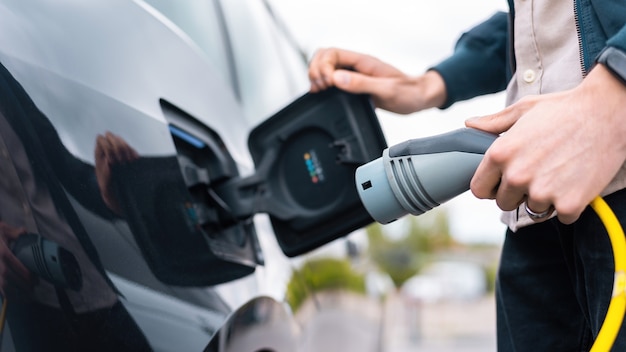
{"x":479,"y":63}
{"x":431,"y":88}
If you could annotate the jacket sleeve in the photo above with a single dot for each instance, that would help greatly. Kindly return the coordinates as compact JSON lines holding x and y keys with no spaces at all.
{"x":619,"y":39}
{"x":479,"y":64}
{"x":602,"y":24}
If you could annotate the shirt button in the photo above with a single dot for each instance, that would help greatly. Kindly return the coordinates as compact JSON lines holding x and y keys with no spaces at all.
{"x":529,"y":76}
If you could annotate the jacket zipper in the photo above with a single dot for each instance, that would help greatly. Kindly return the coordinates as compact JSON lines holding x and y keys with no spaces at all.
{"x":581,"y":56}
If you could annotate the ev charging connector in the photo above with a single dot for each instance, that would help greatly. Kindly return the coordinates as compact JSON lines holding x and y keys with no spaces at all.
{"x":419,"y":174}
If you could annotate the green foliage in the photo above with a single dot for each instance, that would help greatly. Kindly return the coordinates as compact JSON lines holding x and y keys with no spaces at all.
{"x":491,"y":272}
{"x":399,"y":262}
{"x":403,"y":255}
{"x":322,"y":274}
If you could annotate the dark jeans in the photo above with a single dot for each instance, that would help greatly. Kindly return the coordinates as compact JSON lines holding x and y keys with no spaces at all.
{"x":555,"y":282}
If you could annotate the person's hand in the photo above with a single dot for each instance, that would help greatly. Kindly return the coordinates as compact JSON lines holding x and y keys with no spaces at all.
{"x":111,"y":150}
{"x":559,"y":150}
{"x":13,"y":274}
{"x":389,"y":88}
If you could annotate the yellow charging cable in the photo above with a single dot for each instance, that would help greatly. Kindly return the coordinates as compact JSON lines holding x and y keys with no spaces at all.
{"x":617,"y":306}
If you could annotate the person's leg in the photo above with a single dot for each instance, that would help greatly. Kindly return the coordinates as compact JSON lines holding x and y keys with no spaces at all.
{"x":537,"y":309}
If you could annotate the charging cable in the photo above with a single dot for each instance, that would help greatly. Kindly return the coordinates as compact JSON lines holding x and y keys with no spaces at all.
{"x":617,"y":306}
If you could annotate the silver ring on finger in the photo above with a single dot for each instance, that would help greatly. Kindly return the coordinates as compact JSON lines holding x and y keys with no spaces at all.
{"x":538,"y":215}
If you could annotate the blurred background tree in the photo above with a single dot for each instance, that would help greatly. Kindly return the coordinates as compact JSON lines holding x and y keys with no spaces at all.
{"x":403,"y":252}
{"x":399,"y":250}
{"x":319,"y":274}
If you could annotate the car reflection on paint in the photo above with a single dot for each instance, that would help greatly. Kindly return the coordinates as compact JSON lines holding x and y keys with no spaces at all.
{"x":132,"y":121}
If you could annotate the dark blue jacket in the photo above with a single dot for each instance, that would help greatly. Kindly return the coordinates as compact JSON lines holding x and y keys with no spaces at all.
{"x":483,"y":61}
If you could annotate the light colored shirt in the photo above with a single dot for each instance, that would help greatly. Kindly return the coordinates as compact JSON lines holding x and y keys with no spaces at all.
{"x":548,"y":60}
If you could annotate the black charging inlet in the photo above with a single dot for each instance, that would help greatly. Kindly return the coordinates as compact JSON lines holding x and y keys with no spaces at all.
{"x":305,"y":157}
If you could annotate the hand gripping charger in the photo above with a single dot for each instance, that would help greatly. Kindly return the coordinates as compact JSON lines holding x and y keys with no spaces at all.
{"x":419,"y":174}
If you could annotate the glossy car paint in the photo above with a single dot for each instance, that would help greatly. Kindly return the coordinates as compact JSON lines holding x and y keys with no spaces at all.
{"x":95,"y":67}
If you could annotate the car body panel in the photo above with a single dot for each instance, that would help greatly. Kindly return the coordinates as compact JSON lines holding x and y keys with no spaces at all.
{"x":165,"y":264}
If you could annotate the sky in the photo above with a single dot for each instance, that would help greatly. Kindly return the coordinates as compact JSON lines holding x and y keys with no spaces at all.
{"x":412,"y":35}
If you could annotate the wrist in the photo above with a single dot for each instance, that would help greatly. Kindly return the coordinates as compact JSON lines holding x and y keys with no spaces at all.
{"x":606,"y":94}
{"x":614,"y":60}
{"x":601,"y":79}
{"x":432,"y":89}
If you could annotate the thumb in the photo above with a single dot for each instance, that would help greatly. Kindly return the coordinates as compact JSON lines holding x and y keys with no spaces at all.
{"x":495,"y":123}
{"x":503,"y":120}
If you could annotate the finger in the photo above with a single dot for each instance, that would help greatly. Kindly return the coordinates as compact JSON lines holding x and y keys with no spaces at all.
{"x":382,"y":89}
{"x":100,"y":150}
{"x":329,"y":62}
{"x":509,"y":197}
{"x":486,"y":180}
{"x":107,"y":148}
{"x":570,"y":216}
{"x":102,"y":168}
{"x":365,"y":64}
{"x":492,"y":179}
{"x":569,"y":207}
{"x":326,"y":61}
{"x":539,"y":211}
{"x":538,"y":202}
{"x":122,"y":151}
{"x":356,"y":83}
{"x":322,"y":61}
{"x":496,"y":123}
{"x":317,"y":85}
{"x":503,"y":120}
{"x":118,"y":151}
{"x":538,"y":207}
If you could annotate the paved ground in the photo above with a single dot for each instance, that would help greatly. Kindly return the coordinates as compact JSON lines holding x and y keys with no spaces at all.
{"x":439,"y":327}
{"x":341,"y":322}
{"x":345,"y":322}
